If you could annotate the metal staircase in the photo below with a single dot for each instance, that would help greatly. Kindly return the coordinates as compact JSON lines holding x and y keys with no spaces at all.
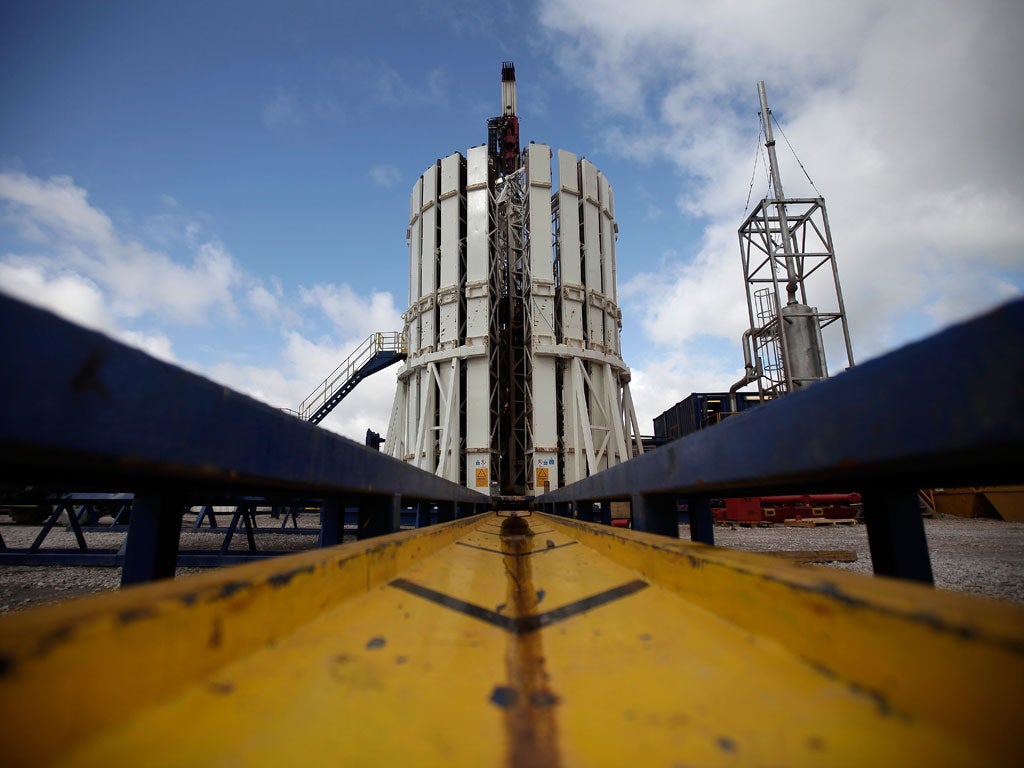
{"x":380,"y":350}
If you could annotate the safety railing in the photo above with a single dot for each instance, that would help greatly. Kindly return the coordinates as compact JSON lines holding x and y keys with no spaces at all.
{"x":942,"y":412}
{"x":375,"y":343}
{"x":85,"y":413}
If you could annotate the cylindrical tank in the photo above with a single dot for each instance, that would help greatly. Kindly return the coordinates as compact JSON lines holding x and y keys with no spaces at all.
{"x":567,"y":385}
{"x":804,"y":355}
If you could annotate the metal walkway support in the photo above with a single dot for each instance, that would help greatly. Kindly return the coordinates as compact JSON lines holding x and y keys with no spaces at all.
{"x":379,"y":351}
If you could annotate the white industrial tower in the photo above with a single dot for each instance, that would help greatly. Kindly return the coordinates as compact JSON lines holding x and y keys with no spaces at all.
{"x":513,"y":383}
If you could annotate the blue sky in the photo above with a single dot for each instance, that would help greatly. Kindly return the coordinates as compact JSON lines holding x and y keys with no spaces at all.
{"x":226,"y":184}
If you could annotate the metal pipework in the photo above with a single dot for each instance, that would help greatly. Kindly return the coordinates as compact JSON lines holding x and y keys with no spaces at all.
{"x":752,"y":370}
{"x":787,"y":245}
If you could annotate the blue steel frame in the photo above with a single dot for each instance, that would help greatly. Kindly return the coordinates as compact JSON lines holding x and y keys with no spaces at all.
{"x":84,"y":412}
{"x":943,"y":412}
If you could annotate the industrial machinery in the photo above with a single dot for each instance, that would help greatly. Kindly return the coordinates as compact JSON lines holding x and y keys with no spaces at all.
{"x":785,"y":245}
{"x":514,"y":382}
{"x":526,"y":637}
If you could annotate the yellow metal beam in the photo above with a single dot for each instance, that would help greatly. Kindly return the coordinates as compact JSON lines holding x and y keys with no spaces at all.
{"x":522,"y":641}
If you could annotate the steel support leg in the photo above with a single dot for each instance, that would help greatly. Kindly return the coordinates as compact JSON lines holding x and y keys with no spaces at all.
{"x":655,"y":514}
{"x":379,"y":515}
{"x":587,"y":511}
{"x":151,"y":547}
{"x":606,"y":513}
{"x":896,"y":534}
{"x":445,"y":511}
{"x":423,"y":514}
{"x":702,"y":521}
{"x":332,"y":523}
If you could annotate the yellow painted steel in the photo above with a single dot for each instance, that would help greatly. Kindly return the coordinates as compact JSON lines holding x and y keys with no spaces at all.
{"x":522,"y":641}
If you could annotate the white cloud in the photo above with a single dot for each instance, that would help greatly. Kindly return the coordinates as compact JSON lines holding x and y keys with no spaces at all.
{"x":77,"y":299}
{"x":270,"y":304}
{"x":283,"y":109}
{"x":900,"y":112}
{"x":81,"y":267}
{"x":77,"y":238}
{"x":351,"y":313}
{"x":156,"y":344}
{"x":71,"y":296}
{"x":385,"y":176}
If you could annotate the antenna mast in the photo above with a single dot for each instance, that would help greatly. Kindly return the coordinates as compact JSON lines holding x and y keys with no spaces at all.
{"x":783,"y":350}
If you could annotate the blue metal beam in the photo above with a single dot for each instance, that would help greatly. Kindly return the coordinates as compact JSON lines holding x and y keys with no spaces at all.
{"x":945,"y":411}
{"x":86,"y":412}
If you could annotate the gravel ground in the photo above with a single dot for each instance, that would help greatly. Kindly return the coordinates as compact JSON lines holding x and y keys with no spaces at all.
{"x":980,"y":556}
{"x":977,"y":555}
{"x":22,"y":586}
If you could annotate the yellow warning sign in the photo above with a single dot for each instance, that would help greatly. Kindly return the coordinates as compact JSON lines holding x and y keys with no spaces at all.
{"x":542,"y":475}
{"x":481,"y":477}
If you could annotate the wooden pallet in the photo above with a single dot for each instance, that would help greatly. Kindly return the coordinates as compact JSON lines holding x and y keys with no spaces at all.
{"x":814,"y":522}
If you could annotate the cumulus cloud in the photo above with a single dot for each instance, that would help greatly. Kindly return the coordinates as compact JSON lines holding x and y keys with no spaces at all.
{"x":900,"y":112}
{"x":351,"y":313}
{"x":283,"y":109}
{"x":75,"y":238}
{"x":76,"y":263}
{"x":71,"y":296}
{"x":385,"y":176}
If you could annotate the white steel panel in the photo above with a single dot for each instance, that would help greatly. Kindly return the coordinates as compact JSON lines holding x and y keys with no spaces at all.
{"x":568,"y":213}
{"x":415,"y":243}
{"x":415,"y":203}
{"x":613,"y":317}
{"x":451,"y":215}
{"x":539,"y":165}
{"x":477,"y":220}
{"x":608,"y":238}
{"x":477,"y":247}
{"x":611,"y":329}
{"x":429,"y":261}
{"x":572,"y":290}
{"x":450,"y":200}
{"x":592,"y":274}
{"x":591,"y":227}
{"x":538,"y":159}
{"x":541,"y":268}
{"x":545,"y":424}
{"x":428,"y":215}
